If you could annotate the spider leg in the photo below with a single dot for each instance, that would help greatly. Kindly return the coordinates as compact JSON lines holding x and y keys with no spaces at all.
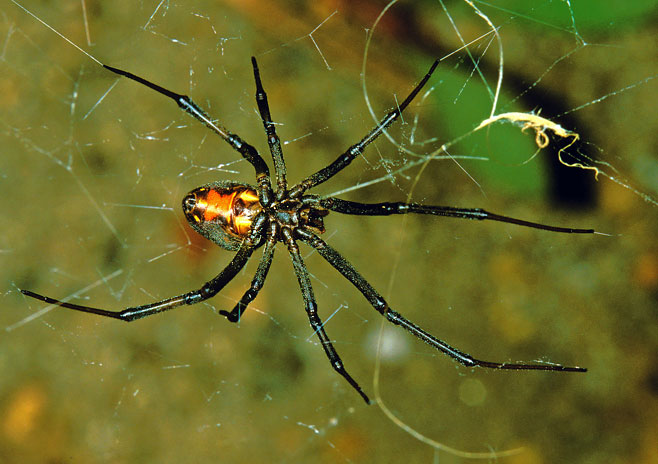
{"x":208,"y":290}
{"x":388,"y":208}
{"x":377,"y":301}
{"x":355,"y":150}
{"x":247,"y":151}
{"x":272,"y":138}
{"x":312,"y":311}
{"x":258,"y":280}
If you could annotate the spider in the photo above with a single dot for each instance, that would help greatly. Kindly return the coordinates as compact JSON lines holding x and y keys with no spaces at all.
{"x":242,"y":218}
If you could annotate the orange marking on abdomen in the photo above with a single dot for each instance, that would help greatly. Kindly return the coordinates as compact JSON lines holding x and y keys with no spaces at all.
{"x":218,"y":204}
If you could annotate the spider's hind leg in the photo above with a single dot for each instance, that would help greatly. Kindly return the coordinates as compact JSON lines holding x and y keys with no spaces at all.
{"x":208,"y":290}
{"x":272,"y":137}
{"x":256,"y":283}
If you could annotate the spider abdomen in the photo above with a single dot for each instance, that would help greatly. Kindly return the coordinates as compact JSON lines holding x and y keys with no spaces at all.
{"x":222,"y":212}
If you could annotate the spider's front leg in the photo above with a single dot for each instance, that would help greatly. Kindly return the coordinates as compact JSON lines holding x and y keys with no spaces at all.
{"x":355,"y":150}
{"x":390,"y":208}
{"x":312,"y":311}
{"x":377,"y":301}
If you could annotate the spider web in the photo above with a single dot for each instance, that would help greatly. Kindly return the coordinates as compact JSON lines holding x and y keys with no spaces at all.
{"x":94,"y":169}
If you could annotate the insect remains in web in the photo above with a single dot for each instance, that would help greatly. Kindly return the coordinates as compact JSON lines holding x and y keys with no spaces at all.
{"x":244,"y":218}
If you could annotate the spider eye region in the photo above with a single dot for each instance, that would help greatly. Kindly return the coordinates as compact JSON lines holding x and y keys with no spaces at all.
{"x":222,"y":212}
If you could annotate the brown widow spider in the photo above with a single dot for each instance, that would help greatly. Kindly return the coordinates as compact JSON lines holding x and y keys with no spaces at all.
{"x":242,"y":218}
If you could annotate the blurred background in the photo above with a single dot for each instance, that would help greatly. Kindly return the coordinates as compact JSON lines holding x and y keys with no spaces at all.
{"x":93,"y":169}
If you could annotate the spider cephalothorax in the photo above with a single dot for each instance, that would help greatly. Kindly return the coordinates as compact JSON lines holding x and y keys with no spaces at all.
{"x":242,"y":218}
